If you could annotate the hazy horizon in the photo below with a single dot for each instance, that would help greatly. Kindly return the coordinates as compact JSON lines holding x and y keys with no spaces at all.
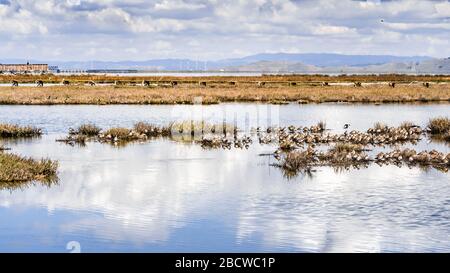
{"x":212,"y":60}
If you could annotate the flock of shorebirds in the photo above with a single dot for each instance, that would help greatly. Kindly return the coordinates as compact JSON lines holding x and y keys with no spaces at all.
{"x":355,"y":157}
{"x":348,"y":150}
{"x":291,"y":138}
{"x":215,"y":142}
{"x":300,"y":148}
{"x":410,"y":156}
{"x":349,"y":147}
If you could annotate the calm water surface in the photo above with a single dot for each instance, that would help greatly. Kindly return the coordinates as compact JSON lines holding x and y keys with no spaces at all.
{"x":168,"y":196}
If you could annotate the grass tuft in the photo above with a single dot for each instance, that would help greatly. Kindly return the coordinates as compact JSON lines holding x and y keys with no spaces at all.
{"x":16,"y":131}
{"x":151,"y":130}
{"x":346,"y":148}
{"x":407,"y":125}
{"x":298,"y":160}
{"x":438,"y":126}
{"x":88,"y":130}
{"x":119,"y":133}
{"x":380,"y":127}
{"x":14,"y":168}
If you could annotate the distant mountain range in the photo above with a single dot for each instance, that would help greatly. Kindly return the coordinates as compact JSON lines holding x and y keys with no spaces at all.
{"x":429,"y":66}
{"x":272,"y":63}
{"x":324,"y":59}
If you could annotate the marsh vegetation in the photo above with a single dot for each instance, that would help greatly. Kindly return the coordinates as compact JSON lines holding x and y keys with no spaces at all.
{"x":439,"y":126}
{"x":439,"y":129}
{"x":299,"y":148}
{"x":17,"y":169}
{"x":339,"y":158}
{"x":296,"y":148}
{"x":16,"y":131}
{"x":349,"y":150}
{"x":287,"y":138}
{"x":272,"y":89}
{"x":191,"y":131}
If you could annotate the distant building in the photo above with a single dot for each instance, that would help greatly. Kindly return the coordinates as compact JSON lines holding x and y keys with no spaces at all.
{"x":22,"y":68}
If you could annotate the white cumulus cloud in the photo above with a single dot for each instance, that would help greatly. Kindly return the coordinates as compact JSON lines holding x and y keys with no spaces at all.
{"x":212,"y":29}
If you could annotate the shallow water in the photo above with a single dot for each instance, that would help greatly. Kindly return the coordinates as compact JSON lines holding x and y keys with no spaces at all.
{"x":167,"y":196}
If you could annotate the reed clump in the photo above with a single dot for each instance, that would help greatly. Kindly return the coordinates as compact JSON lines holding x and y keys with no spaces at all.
{"x":14,"y":168}
{"x":408,"y":125}
{"x":439,"y":126}
{"x":120,"y":134}
{"x":151,"y":130}
{"x":298,"y":160}
{"x":17,"y":131}
{"x":379,"y":128}
{"x":344,"y":154}
{"x":88,"y":130}
{"x":347,"y":147}
{"x":73,"y":139}
{"x":81,"y":135}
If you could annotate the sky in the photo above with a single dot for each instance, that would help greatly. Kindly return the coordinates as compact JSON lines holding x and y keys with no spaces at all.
{"x":113,"y":30}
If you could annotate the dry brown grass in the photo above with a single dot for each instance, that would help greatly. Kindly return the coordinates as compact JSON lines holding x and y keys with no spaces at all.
{"x":407,"y":124}
{"x":346,"y":148}
{"x":16,"y":131}
{"x":119,"y":133}
{"x":439,"y":126}
{"x":14,"y":168}
{"x":185,"y":95}
{"x":88,"y":130}
{"x":151,"y":130}
{"x":297,"y":160}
